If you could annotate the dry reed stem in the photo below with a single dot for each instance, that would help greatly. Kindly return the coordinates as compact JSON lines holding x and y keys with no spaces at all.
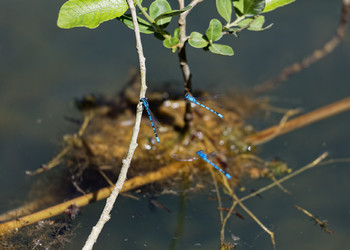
{"x":321,"y":223}
{"x":301,"y":121}
{"x":84,"y":200}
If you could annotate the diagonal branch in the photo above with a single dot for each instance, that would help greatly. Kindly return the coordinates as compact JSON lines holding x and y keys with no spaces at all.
{"x":299,"y":122}
{"x":105,"y":216}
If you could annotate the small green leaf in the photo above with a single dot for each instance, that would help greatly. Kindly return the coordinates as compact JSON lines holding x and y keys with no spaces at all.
{"x":157,"y":8}
{"x":224,"y":8}
{"x":176,"y":35}
{"x":89,"y":13}
{"x":177,"y":32}
{"x":220,"y":49}
{"x":145,"y":27}
{"x":248,"y":7}
{"x":172,"y":13}
{"x":214,"y":31}
{"x":171,"y":42}
{"x":256,"y":25}
{"x":197,"y":40}
{"x":274,"y":4}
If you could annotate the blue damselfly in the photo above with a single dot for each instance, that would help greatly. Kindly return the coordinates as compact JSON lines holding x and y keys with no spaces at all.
{"x":151,"y":117}
{"x":204,"y":156}
{"x":193,"y":100}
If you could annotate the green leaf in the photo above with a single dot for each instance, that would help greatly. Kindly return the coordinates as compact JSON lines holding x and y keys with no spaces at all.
{"x":171,"y":42}
{"x":220,"y":49}
{"x":274,"y":4}
{"x":214,"y":31}
{"x":89,"y":13}
{"x":176,"y":35}
{"x":248,"y":7}
{"x":224,"y":8}
{"x":197,"y":40}
{"x":256,"y":25}
{"x":177,"y":32}
{"x":157,"y":8}
{"x":172,"y":13}
{"x":145,"y":27}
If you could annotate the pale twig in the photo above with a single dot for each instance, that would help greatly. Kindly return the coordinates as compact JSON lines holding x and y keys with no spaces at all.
{"x":287,"y":177}
{"x":222,"y":231}
{"x":53,"y":163}
{"x":106,"y":177}
{"x":273,"y":178}
{"x":239,"y":202}
{"x":322,"y":223}
{"x":213,"y":176}
{"x":58,"y":158}
{"x":105,"y":216}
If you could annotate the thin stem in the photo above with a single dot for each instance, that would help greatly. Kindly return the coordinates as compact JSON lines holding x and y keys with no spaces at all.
{"x":105,"y":216}
{"x":272,"y":235}
{"x":152,"y":21}
{"x":217,"y":193}
{"x":223,"y":225}
{"x":188,"y":117}
{"x":287,"y":177}
{"x":235,"y":23}
{"x":248,"y":24}
{"x":53,"y":163}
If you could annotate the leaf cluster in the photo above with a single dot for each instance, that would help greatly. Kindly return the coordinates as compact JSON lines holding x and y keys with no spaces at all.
{"x":155,"y":20}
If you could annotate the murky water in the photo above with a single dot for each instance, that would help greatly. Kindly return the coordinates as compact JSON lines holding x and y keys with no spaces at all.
{"x":43,"y":68}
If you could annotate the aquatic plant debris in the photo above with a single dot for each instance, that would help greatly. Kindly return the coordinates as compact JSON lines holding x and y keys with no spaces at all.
{"x":100,"y":145}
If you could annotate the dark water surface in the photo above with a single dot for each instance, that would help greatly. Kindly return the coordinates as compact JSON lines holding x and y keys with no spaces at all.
{"x":43,"y":68}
